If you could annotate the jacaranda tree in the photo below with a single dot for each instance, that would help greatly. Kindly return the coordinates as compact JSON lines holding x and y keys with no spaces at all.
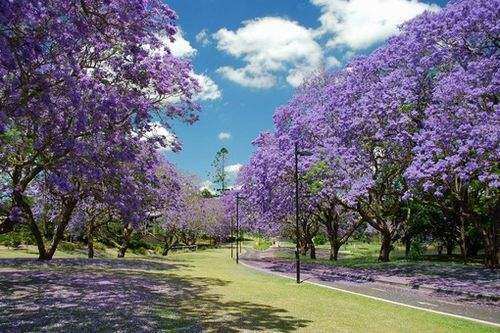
{"x":80,"y":84}
{"x":414,"y":122}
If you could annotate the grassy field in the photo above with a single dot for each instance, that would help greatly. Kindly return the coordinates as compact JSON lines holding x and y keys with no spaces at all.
{"x":191,"y":292}
{"x":365,"y":255}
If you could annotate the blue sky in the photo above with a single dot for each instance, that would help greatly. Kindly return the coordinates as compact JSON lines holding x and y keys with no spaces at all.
{"x":251,"y":54}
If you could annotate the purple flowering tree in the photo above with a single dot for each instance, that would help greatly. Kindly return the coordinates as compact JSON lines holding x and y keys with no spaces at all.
{"x":80,"y":84}
{"x":415,"y":120}
{"x":457,"y":148}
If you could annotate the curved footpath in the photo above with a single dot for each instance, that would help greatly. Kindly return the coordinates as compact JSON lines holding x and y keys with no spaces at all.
{"x":484,"y":310}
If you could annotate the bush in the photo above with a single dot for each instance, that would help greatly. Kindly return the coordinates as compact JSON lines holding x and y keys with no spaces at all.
{"x":320,"y":239}
{"x":13,"y":240}
{"x":140,"y":251}
{"x":68,"y":247}
{"x":20,"y":235}
{"x":417,"y":250}
{"x":136,"y":242}
{"x":262,"y":244}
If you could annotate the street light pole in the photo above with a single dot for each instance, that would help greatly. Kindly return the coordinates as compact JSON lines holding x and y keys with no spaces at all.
{"x":231,"y":236}
{"x":298,"y":153}
{"x":237,"y":226}
{"x":297,"y":235}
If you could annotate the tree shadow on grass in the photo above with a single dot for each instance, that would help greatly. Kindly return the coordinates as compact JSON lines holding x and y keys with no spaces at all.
{"x":123,"y":296}
{"x":196,"y":301}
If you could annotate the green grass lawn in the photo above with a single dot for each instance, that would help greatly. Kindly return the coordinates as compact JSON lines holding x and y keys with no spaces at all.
{"x":207,"y":290}
{"x":365,"y":255}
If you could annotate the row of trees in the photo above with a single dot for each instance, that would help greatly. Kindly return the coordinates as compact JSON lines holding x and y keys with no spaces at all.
{"x":83,"y":85}
{"x":405,"y":140}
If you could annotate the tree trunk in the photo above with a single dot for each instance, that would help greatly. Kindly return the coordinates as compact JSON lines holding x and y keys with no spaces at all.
{"x":42,"y":253}
{"x":491,"y":256}
{"x":303,"y":248}
{"x":449,"y":247}
{"x":313,"y":250}
{"x":90,"y":239}
{"x":407,"y":247}
{"x":61,"y":227}
{"x":496,"y":236}
{"x":385,"y":246}
{"x":168,"y":242}
{"x":20,"y":202}
{"x":334,"y":251}
{"x":463,"y":236}
{"x":127,"y":233}
{"x":90,"y":248}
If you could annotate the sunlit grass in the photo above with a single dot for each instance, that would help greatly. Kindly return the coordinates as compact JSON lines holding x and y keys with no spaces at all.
{"x":211,"y":292}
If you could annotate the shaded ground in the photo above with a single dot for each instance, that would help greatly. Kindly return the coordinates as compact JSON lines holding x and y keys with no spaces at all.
{"x":471,"y":280}
{"x":121,"y":295}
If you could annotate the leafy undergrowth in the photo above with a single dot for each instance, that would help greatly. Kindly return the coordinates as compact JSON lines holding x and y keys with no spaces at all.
{"x":261,"y":244}
{"x":191,"y":292}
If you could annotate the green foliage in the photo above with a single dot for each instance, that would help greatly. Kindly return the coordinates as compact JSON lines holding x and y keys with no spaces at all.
{"x":205,"y":193}
{"x":261,"y":244}
{"x":320,"y":239}
{"x":12,"y":240}
{"x":219,"y":164}
{"x":20,"y":235}
{"x":140,"y":251}
{"x":136,"y":242}
{"x":417,"y":250}
{"x":69,"y":247}
{"x":314,"y":177}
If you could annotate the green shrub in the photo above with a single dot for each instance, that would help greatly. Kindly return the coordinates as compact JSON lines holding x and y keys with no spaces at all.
{"x":140,"y":251}
{"x":320,"y":239}
{"x":14,"y":240}
{"x":68,"y":247}
{"x":262,"y":244}
{"x":417,"y":250}
{"x":99,"y":247}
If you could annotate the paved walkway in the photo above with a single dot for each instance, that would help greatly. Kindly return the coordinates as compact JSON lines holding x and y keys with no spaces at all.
{"x":460,"y":305}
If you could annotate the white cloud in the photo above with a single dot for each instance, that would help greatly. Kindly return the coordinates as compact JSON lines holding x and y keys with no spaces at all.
{"x":271,"y":47}
{"x":332,"y":62}
{"x":224,"y":136}
{"x":181,"y":47}
{"x":203,"y":38}
{"x":207,"y":185}
{"x":233,"y":169}
{"x":247,"y":77}
{"x":359,"y":24}
{"x":168,"y":139}
{"x":209,"y":89}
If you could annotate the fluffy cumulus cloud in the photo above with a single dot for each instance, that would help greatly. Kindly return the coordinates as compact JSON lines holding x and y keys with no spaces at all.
{"x":209,"y":89}
{"x":182,"y":48}
{"x":270,"y":47}
{"x":160,"y":133}
{"x":233,"y":169}
{"x":358,"y":24}
{"x":224,"y":136}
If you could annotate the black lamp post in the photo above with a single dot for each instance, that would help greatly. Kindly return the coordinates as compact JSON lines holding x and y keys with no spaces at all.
{"x":297,"y":153}
{"x":237,"y":226}
{"x":231,"y":236}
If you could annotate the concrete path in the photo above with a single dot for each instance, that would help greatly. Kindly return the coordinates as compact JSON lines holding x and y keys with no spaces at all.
{"x":480,"y":310}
